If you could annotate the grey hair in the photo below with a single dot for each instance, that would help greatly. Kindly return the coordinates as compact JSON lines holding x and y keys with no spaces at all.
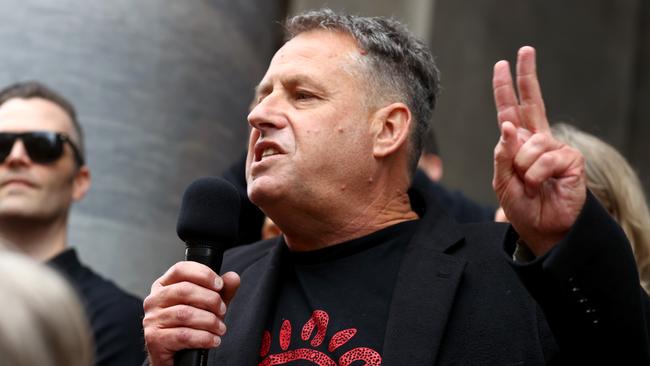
{"x":399,"y":65}
{"x":617,"y":187}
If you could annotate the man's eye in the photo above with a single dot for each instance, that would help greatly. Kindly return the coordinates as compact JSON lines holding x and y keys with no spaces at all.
{"x":303,"y":96}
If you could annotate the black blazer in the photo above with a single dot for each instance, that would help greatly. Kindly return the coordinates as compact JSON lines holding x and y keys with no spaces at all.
{"x":460,"y":300}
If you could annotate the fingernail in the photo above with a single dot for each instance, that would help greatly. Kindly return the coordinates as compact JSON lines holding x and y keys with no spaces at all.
{"x":217,"y":341}
{"x":222,"y":308}
{"x":222,"y":328}
{"x":218,"y":283}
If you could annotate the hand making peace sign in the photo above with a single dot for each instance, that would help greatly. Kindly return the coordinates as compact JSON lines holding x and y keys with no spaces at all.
{"x":539,"y":181}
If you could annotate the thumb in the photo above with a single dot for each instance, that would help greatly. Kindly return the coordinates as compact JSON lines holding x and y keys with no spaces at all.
{"x":231,"y":283}
{"x":504,"y":155}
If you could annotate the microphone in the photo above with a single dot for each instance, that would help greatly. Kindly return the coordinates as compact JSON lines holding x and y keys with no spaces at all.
{"x":208,"y":224}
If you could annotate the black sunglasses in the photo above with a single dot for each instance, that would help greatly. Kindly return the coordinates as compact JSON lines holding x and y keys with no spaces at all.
{"x":43,"y":147}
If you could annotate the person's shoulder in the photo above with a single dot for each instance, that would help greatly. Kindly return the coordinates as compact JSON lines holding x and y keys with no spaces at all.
{"x":485,"y":230}
{"x":96,"y":284}
{"x":116,"y":319}
{"x":484,"y":240}
{"x":242,"y":256}
{"x":103,"y":297}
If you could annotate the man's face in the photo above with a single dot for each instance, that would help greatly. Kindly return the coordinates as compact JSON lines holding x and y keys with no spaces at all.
{"x":310,"y":137}
{"x":31,"y":190}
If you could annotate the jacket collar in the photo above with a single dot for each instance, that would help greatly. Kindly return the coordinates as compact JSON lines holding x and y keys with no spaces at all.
{"x":425,"y":289}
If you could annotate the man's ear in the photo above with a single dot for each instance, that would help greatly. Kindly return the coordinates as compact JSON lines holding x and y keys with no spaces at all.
{"x":391,"y":127}
{"x":81,"y":183}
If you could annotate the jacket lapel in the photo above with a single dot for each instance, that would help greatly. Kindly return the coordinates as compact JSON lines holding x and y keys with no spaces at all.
{"x":424,"y":292}
{"x":250,"y":307}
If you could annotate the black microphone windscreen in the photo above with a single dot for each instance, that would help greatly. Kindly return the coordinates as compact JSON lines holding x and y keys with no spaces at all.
{"x":209,"y":213}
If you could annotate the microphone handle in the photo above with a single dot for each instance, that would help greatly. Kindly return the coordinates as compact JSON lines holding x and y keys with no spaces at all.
{"x":191,"y":357}
{"x":212,"y":258}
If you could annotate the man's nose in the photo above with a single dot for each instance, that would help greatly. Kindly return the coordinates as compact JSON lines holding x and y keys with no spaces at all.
{"x":269,"y":113}
{"x":18,"y":154}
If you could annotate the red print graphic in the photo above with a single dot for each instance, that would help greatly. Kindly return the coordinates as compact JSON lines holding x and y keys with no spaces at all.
{"x":319,"y":320}
{"x":266,"y":343}
{"x":340,"y":338}
{"x":285,"y":335}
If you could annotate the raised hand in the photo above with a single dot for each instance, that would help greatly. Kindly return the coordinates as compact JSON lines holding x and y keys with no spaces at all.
{"x":185,"y":310}
{"x":539,"y":181}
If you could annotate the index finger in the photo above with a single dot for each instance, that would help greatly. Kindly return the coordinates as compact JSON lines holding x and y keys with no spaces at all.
{"x":532,"y":110}
{"x":505,"y":99}
{"x":193,"y":272}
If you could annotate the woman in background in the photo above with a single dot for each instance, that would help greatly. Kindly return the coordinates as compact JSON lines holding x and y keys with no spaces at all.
{"x":41,"y":319}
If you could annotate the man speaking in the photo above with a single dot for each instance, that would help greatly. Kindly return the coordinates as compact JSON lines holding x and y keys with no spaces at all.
{"x":367,"y":271}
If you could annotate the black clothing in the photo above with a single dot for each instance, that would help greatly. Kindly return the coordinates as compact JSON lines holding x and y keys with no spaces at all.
{"x":114,"y":315}
{"x":455,"y":203}
{"x":336,"y":296}
{"x":459,"y":299}
{"x":251,"y":218}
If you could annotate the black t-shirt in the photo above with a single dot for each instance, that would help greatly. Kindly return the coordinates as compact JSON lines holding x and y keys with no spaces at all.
{"x":114,"y":315}
{"x":332,"y":304}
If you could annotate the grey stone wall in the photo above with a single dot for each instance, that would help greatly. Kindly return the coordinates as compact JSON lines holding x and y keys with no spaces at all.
{"x":162,"y":90}
{"x":593,"y":62}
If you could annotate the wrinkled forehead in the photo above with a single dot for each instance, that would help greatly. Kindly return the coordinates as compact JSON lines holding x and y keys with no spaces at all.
{"x":335,"y":41}
{"x":33,"y":114}
{"x":323,"y":49}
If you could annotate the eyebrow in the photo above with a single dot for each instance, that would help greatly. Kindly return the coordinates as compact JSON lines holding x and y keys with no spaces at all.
{"x":290,"y":81}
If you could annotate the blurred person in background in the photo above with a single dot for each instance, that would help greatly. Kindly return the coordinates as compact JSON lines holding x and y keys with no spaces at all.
{"x":616,"y":185}
{"x":42,"y":321}
{"x":430,"y":162}
{"x":42,"y":172}
{"x":427,"y":177}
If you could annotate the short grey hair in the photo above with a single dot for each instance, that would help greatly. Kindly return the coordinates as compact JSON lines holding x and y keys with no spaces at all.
{"x":399,"y":64}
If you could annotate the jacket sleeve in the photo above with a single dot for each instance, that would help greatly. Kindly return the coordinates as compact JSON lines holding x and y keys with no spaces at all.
{"x":588,"y":289}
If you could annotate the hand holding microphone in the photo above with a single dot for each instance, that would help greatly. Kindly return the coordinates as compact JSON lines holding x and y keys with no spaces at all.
{"x":186,"y":307}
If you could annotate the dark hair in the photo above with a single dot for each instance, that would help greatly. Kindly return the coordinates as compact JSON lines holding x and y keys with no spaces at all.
{"x":35,"y":89}
{"x":399,"y":64}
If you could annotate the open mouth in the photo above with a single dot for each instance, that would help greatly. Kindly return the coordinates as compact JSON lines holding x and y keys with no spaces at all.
{"x":265,"y":149}
{"x":269,"y":152}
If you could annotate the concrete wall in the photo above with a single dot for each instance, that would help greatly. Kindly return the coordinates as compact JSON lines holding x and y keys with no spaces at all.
{"x":415,"y":13}
{"x":162,"y":89}
{"x":593,"y":65}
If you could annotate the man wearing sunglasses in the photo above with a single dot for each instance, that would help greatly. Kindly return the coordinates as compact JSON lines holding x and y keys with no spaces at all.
{"x":43,"y":172}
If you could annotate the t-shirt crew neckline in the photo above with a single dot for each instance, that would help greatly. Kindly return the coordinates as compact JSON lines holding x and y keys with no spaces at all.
{"x":350,"y":247}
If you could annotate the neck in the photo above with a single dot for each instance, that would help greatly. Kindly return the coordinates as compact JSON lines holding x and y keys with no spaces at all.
{"x":347,"y":217}
{"x":40,"y":240}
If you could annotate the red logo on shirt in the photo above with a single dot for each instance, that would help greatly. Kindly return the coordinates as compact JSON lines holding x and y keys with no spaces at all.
{"x":318,"y":321}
